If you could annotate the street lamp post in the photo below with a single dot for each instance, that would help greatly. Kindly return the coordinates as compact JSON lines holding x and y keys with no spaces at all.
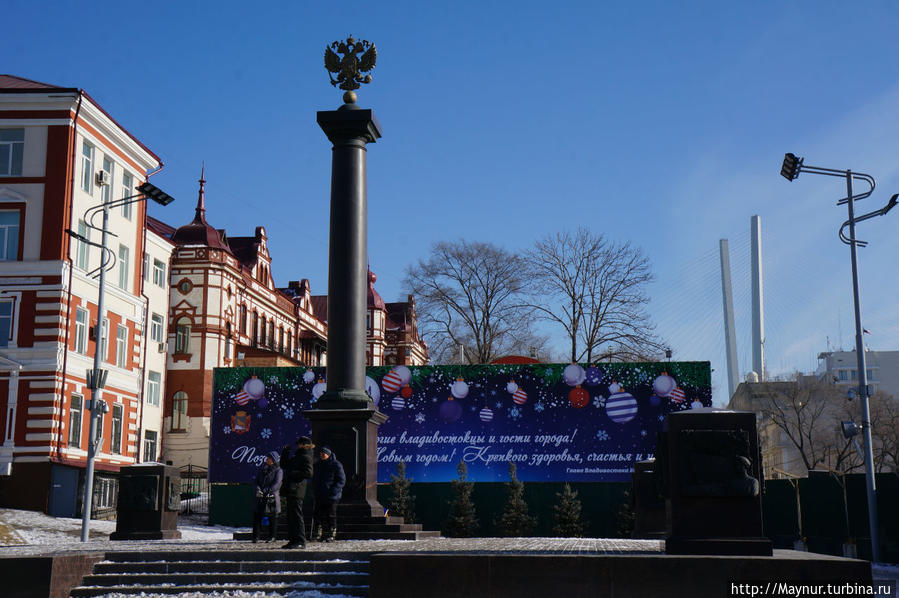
{"x":96,"y":377}
{"x":790,"y":170}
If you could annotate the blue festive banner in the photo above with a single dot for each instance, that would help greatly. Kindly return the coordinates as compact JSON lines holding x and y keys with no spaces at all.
{"x":556,"y":422}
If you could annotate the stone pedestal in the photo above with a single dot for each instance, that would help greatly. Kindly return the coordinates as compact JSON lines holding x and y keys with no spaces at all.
{"x":649,"y":504}
{"x":353,"y":436}
{"x":713,"y":479}
{"x":148,"y":503}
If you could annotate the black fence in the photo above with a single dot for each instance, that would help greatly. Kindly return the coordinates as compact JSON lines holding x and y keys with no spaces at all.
{"x":194,"y":490}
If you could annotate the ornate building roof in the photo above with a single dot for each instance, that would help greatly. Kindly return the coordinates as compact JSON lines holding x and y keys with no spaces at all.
{"x":200,"y":232}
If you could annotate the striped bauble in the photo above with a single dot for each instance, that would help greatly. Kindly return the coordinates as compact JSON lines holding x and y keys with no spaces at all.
{"x":621,"y":407}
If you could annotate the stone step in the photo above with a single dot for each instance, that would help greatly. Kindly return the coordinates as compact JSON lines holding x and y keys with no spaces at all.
{"x":173,"y":556}
{"x":232,"y":566}
{"x":202,"y":590}
{"x":377,"y":534}
{"x":270,"y":577}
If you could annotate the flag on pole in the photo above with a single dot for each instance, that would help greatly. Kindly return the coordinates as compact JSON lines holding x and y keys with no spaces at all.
{"x":866,"y":331}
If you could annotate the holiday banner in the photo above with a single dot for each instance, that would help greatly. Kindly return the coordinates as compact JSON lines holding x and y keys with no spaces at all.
{"x":556,"y":422}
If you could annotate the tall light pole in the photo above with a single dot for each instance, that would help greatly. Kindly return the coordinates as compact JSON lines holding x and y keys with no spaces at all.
{"x":96,"y":377}
{"x":792,"y":166}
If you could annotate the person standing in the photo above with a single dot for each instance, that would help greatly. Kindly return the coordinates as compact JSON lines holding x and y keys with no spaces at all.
{"x":268,"y":498}
{"x":328,"y":481}
{"x":296,"y":462}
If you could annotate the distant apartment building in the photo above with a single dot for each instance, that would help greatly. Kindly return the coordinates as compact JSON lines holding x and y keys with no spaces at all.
{"x":841,"y":368}
{"x":61,"y":153}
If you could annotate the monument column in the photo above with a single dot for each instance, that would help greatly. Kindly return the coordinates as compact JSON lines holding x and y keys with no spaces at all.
{"x":345,"y":418}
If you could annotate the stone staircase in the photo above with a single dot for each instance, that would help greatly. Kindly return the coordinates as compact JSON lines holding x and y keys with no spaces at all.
{"x":205,"y":572}
{"x":360,"y":527}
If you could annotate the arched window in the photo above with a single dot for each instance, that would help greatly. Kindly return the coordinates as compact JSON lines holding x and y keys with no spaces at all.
{"x":243,"y":318}
{"x":271,"y":334}
{"x":289,"y":343}
{"x":227,"y":340}
{"x":255,"y":328}
{"x":262,"y":328}
{"x":280,"y":339}
{"x":182,"y":336}
{"x":179,"y":411}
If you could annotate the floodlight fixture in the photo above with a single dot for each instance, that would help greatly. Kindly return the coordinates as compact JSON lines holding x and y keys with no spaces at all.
{"x":156,"y":194}
{"x":849,"y":429}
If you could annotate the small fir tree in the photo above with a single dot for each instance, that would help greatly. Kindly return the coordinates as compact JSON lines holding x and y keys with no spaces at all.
{"x":403,"y":501}
{"x":462,"y":522}
{"x":515,"y":521}
{"x":567,"y":521}
{"x":626,"y":517}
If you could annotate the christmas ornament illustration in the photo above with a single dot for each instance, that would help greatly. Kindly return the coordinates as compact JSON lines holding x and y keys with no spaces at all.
{"x":406,"y":392}
{"x":404,"y":373}
{"x":621,"y":406}
{"x":578,"y":397}
{"x":319,"y":389}
{"x":459,"y":389}
{"x":677,"y":395}
{"x":655,"y":400}
{"x":593,"y":375}
{"x":391,"y":382}
{"x":663,"y":385}
{"x":308,"y":376}
{"x":398,"y":403}
{"x":242,"y":398}
{"x":574,"y":374}
{"x":511,"y":387}
{"x":486,"y":414}
{"x":371,"y":387}
{"x":696,"y":404}
{"x":450,"y":411}
{"x":520,"y":396}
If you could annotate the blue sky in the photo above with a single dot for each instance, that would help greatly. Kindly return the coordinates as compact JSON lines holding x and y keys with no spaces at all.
{"x":656,"y":122}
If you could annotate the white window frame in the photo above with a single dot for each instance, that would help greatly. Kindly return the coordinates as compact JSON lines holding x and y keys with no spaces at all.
{"x":81,"y":316}
{"x":121,"y":346}
{"x":159,"y":273}
{"x":7,"y":321}
{"x":179,"y":411}
{"x":15,"y":160}
{"x":83,"y":255}
{"x":150,"y":445}
{"x":124,"y":258}
{"x":87,"y":168}
{"x":76,"y":412}
{"x":146,"y":266}
{"x":7,"y":253}
{"x":154,"y":386}
{"x":182,"y":336}
{"x":108,"y":168}
{"x":115,"y":446}
{"x":157,"y":328}
{"x":104,"y":340}
{"x":127,"y":184}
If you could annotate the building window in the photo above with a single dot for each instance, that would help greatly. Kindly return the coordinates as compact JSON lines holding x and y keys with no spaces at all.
{"x":76,"y":406}
{"x":243,"y":319}
{"x":87,"y":168}
{"x":150,"y":446}
{"x":81,"y":330}
{"x":182,"y":336}
{"x":121,"y":346}
{"x":255,"y":328}
{"x":118,"y":412}
{"x":9,"y":235}
{"x":280,"y":339}
{"x":83,"y":257}
{"x":12,"y":151}
{"x":289,"y":343}
{"x":146,"y":267}
{"x":127,"y":184}
{"x":109,"y":169}
{"x":271,"y":334}
{"x":368,"y":321}
{"x":227,"y":340}
{"x":99,"y":436}
{"x":104,"y":339}
{"x":159,"y":273}
{"x":179,"y":411}
{"x":6,"y":327}
{"x":153,"y":384}
{"x":844,"y":375}
{"x":123,"y":267}
{"x":156,"y":328}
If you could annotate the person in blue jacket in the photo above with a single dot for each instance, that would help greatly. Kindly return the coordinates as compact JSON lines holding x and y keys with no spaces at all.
{"x":328,"y":480}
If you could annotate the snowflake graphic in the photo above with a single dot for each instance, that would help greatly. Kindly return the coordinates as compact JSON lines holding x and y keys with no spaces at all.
{"x":661,"y":418}
{"x":539,"y":407}
{"x":498,"y":405}
{"x":599,"y":401}
{"x":420,"y":418}
{"x":227,"y":430}
{"x":514,"y":412}
{"x":266,"y":433}
{"x":273,"y":380}
{"x":643,"y":433}
{"x":602,"y":435}
{"x":288,"y":413}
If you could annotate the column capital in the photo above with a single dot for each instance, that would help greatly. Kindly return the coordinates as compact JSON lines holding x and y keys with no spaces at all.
{"x":348,"y":124}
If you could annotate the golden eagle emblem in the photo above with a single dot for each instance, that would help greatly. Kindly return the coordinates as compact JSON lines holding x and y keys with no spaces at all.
{"x":349,"y":69}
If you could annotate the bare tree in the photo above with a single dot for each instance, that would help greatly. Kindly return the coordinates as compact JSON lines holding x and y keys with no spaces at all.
{"x":595,"y":290}
{"x":470,"y":294}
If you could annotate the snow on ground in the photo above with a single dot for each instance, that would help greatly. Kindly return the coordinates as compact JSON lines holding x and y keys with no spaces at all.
{"x":31,"y":527}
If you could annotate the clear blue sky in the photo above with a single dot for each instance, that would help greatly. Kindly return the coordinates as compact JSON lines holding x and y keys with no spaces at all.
{"x":658,"y":122}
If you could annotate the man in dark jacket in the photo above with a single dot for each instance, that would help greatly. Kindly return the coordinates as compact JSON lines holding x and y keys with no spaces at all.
{"x":297,"y":465}
{"x":268,"y":499}
{"x":327,"y":488}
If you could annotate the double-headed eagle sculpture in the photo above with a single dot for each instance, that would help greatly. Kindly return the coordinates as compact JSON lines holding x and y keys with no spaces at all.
{"x":349,"y":69}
